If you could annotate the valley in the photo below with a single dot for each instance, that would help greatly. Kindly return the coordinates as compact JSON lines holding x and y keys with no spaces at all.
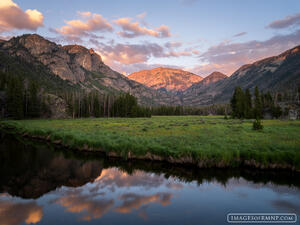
{"x":202,"y":141}
{"x":149,"y":112}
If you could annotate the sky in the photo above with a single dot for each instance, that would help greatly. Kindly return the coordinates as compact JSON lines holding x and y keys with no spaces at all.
{"x":130,"y":35}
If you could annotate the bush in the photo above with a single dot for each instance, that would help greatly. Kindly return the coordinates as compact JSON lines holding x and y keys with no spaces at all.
{"x":257,"y":125}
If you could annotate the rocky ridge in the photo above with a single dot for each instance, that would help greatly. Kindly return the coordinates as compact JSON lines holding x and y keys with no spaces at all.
{"x":80,"y":66}
{"x":166,"y":78}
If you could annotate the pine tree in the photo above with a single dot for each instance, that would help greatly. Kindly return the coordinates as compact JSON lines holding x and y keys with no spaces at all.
{"x":248,"y":104}
{"x":96,"y":106}
{"x":34,"y":103}
{"x":257,"y":112}
{"x":238,"y":103}
{"x":15,"y":107}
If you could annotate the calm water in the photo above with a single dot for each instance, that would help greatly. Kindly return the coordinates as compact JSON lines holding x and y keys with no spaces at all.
{"x":43,"y":185}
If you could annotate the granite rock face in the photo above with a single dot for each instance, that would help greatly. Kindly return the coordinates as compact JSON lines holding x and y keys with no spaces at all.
{"x":84,"y":69}
{"x":167,"y":78}
{"x":81,"y":66}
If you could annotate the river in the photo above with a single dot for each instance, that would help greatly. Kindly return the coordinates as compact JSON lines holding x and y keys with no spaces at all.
{"x":43,"y":184}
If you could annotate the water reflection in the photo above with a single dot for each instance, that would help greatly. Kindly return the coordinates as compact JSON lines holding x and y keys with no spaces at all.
{"x":134,"y":201}
{"x":13,"y":213}
{"x":87,"y":204}
{"x":40,"y":184}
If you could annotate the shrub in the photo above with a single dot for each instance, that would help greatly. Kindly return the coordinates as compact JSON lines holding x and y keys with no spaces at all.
{"x":257,"y":125}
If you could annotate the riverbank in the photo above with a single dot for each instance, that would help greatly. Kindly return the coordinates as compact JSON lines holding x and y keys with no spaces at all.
{"x":202,"y":141}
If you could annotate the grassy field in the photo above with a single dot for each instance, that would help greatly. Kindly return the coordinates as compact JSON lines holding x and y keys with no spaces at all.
{"x":212,"y":140}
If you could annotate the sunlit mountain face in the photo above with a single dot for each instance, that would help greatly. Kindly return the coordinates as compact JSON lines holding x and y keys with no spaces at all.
{"x":64,"y":187}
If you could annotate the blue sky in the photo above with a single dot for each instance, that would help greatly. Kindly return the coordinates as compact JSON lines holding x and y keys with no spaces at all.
{"x":198,"y":36}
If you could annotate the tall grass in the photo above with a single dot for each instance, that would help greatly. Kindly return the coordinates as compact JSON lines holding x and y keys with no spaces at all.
{"x":212,"y":139}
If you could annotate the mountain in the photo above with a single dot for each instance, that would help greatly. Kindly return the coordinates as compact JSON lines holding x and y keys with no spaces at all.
{"x":278,"y":73}
{"x":166,"y":78}
{"x":60,"y":68}
{"x":211,"y":78}
{"x":70,"y":67}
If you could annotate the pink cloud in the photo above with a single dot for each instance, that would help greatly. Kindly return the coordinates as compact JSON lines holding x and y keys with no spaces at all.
{"x":133,"y":29}
{"x":84,"y":14}
{"x":227,"y":57}
{"x":13,"y":17}
{"x":164,"y":31}
{"x":136,"y":53}
{"x":131,"y":53}
{"x":91,"y":23}
{"x":14,"y":213}
{"x":133,"y":201}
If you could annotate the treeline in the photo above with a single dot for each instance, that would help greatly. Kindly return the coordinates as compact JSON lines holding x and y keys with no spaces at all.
{"x":22,"y":99}
{"x":191,"y":110}
{"x":243,"y":105}
{"x":292,"y":95}
{"x":93,"y":104}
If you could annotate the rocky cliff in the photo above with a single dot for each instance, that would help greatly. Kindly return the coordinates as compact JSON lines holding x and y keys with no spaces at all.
{"x":280,"y":72}
{"x":80,"y":66}
{"x":73,"y":67}
{"x":166,"y":78}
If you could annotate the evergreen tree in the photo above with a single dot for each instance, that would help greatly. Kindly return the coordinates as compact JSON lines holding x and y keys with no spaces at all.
{"x":238,"y":103}
{"x":257,"y":112}
{"x":248,"y":104}
{"x":15,"y":105}
{"x":34,"y":103}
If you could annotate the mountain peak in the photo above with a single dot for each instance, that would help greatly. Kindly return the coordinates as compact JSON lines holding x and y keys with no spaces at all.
{"x":168,"y":78}
{"x":214,"y":76}
{"x":211,"y":78}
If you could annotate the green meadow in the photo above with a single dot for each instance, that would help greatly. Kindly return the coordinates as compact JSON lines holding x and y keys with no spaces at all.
{"x":209,"y":139}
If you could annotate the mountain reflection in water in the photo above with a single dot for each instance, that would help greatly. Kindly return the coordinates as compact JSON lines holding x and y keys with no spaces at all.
{"x":41,"y":184}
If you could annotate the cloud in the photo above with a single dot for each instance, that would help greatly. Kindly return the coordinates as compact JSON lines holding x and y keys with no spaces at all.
{"x":14,"y":213}
{"x":116,"y":178}
{"x":240,"y":34}
{"x":131,"y":53}
{"x":5,"y":37}
{"x":164,"y":31}
{"x":134,"y":201}
{"x":178,"y":53}
{"x":173,"y":44}
{"x":227,"y":57}
{"x":85,"y":205}
{"x":206,"y":69}
{"x":136,"y":53}
{"x":75,"y":29}
{"x":142,"y":15}
{"x":13,"y":17}
{"x":128,"y":58}
{"x":84,"y":14}
{"x":133,"y":29}
{"x":285,"y":22}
